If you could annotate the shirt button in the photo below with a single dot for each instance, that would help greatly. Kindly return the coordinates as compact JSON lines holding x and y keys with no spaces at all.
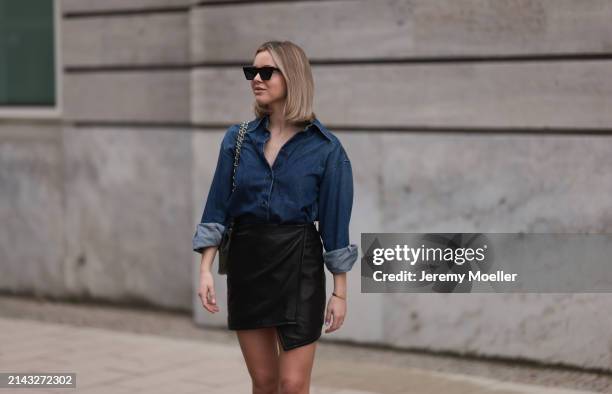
{"x":263,"y":203}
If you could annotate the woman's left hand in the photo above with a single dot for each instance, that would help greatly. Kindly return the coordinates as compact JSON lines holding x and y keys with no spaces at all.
{"x":336,"y":308}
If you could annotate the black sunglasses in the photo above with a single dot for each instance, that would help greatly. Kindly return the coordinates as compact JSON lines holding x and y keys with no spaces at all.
{"x":264,"y":72}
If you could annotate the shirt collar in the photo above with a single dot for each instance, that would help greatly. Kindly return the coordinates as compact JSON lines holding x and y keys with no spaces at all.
{"x":254,"y":124}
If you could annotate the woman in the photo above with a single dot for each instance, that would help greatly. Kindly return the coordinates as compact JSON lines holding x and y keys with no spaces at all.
{"x":291,"y":172}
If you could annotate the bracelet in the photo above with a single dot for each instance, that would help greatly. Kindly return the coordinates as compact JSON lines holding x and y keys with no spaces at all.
{"x":334,"y":293}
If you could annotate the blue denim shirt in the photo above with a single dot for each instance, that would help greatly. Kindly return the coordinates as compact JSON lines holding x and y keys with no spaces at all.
{"x":310,"y":180}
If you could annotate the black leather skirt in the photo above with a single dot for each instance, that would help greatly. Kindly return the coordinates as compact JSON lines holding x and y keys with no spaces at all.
{"x":276,"y":277}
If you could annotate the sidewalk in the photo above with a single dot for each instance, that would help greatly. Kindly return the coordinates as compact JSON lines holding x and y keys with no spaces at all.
{"x":115,"y":362}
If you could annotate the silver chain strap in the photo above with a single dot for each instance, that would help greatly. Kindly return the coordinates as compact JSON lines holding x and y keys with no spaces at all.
{"x":239,"y":139}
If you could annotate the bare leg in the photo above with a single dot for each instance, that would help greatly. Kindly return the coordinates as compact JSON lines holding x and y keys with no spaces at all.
{"x":260,"y":352}
{"x":295,"y":368}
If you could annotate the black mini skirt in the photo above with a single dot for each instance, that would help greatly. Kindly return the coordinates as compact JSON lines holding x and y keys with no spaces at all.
{"x":276,"y":277}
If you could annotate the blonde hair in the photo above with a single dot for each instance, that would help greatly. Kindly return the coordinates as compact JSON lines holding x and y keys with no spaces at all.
{"x":295,"y":67}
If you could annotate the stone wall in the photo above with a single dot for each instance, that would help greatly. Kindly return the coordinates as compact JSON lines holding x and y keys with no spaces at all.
{"x":464,"y":115}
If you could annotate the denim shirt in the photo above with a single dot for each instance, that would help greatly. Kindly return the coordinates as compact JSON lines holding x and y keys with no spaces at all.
{"x":310,"y":180}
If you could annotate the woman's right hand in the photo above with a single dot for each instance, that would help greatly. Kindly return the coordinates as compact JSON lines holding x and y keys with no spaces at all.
{"x":207,"y":292}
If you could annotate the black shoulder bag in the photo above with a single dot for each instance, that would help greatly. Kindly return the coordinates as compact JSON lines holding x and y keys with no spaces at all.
{"x":227,"y":234}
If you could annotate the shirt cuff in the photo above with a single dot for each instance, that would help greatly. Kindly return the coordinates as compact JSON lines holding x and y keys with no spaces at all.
{"x":341,"y":260}
{"x":207,"y":234}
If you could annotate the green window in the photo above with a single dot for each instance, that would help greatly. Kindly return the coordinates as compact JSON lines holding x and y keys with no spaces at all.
{"x":27,"y":58}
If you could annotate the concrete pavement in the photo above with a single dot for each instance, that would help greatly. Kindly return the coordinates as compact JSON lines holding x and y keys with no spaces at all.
{"x":114,"y":362}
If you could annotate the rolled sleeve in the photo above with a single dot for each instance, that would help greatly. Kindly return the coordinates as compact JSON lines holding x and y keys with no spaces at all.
{"x":335,"y":205}
{"x":215,"y":213}
{"x":341,"y":260}
{"x":207,"y":234}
